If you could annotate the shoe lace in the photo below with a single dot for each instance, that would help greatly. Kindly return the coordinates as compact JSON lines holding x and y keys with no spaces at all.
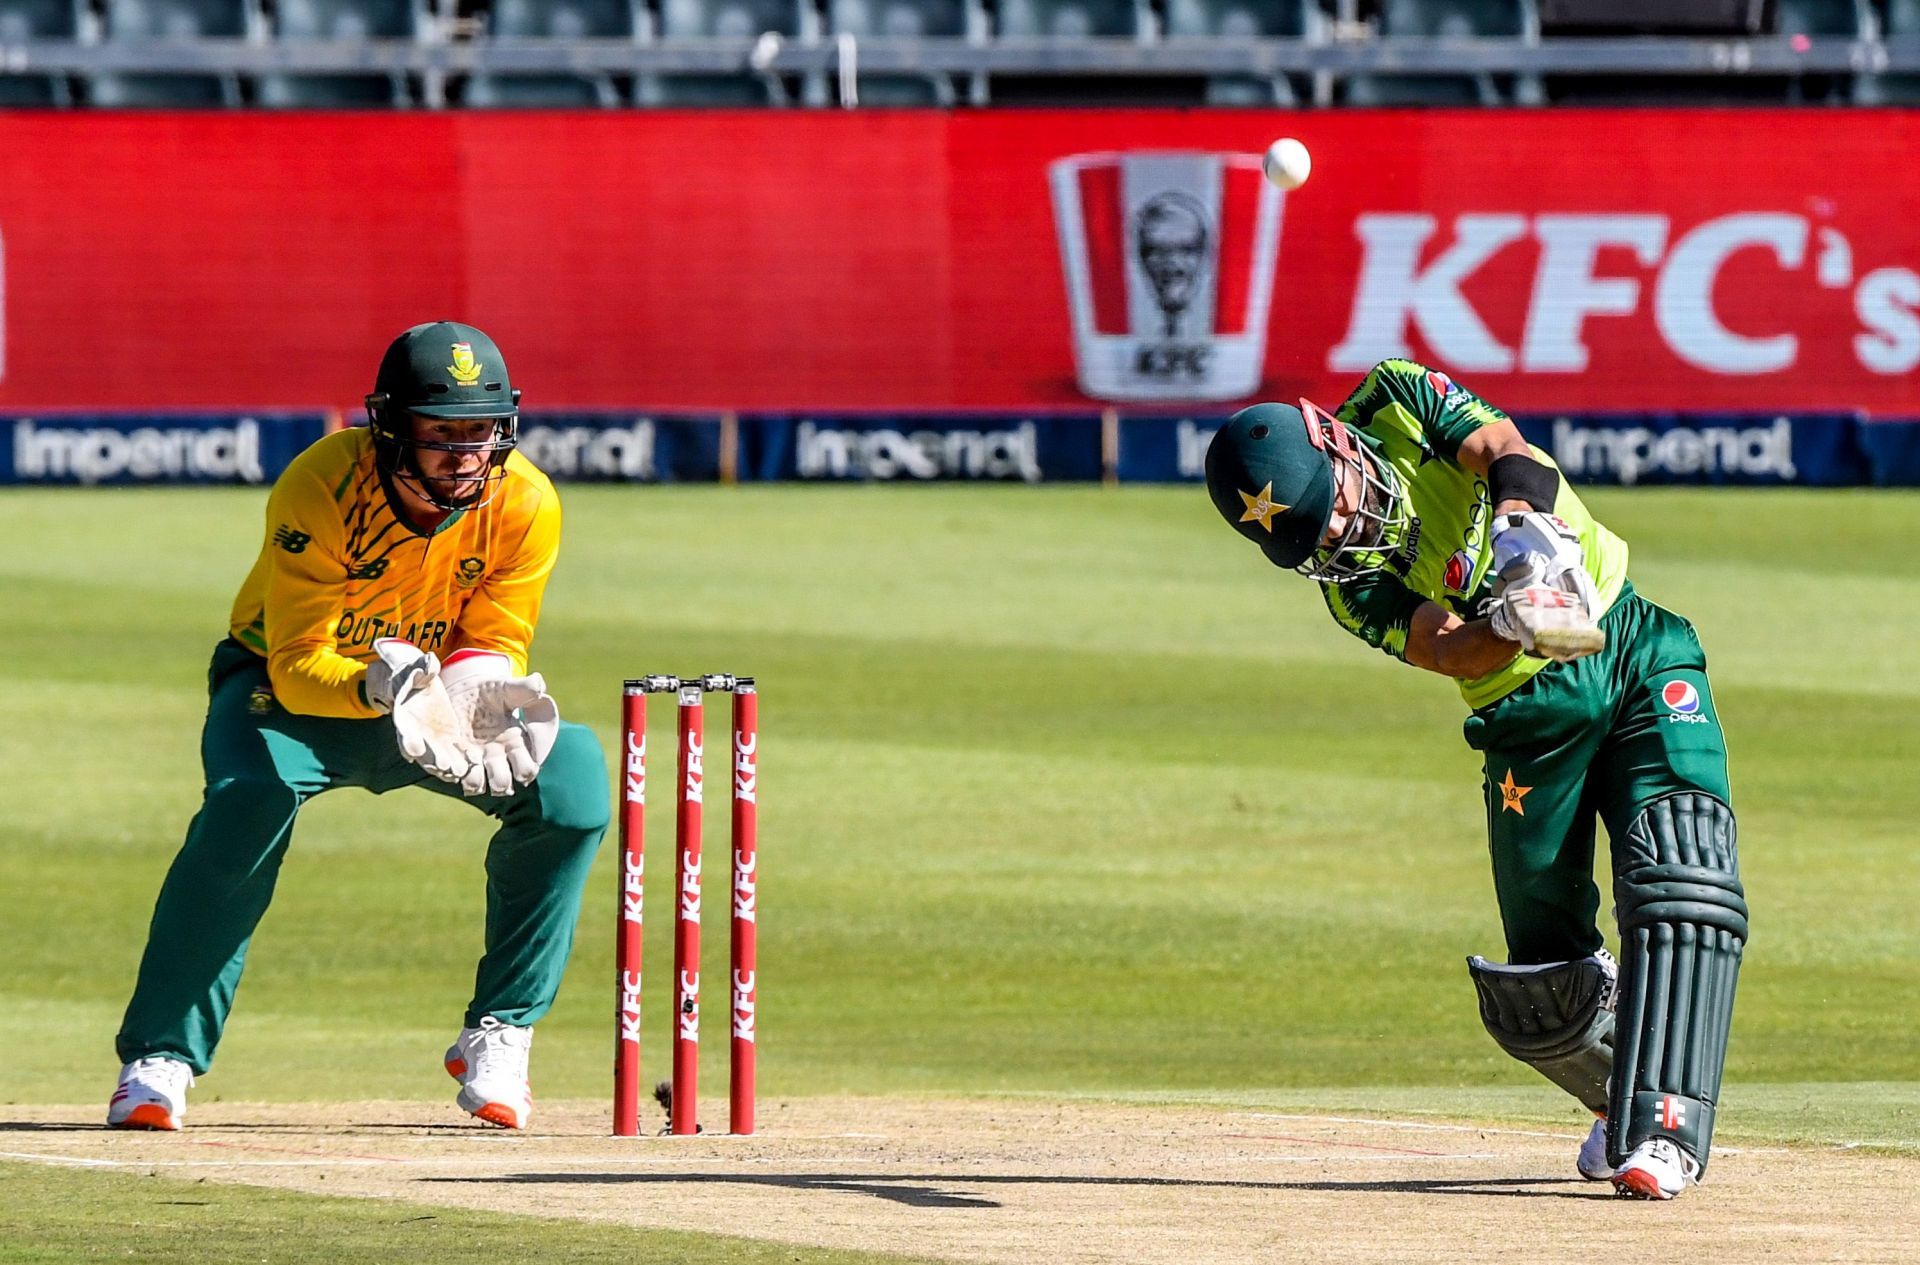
{"x":170,"y":1075}
{"x":503,"y":1049}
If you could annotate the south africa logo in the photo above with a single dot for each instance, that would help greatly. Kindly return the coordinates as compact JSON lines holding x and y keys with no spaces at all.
{"x":465,"y":370}
{"x":471,"y":569}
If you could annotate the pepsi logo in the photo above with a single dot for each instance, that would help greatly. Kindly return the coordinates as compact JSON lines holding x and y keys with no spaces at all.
{"x":1459,"y":567}
{"x":1681,"y":697}
{"x":1440,"y":382}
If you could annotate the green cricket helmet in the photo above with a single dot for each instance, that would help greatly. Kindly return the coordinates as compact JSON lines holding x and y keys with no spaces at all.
{"x":446,"y":371}
{"x":1275,"y":472}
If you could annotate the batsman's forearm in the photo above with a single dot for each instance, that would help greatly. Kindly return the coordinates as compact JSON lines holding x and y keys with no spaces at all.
{"x":1470,"y":651}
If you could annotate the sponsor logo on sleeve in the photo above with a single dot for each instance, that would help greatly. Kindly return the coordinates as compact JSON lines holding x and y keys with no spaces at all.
{"x":290,"y":540}
{"x":1682,"y":704}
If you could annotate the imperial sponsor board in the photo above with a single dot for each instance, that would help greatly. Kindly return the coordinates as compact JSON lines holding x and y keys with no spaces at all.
{"x":923,"y":448}
{"x":701,"y":261}
{"x":622,"y":448}
{"x":149,"y":448}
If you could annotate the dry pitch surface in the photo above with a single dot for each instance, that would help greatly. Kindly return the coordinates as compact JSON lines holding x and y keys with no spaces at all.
{"x":1020,"y":1181}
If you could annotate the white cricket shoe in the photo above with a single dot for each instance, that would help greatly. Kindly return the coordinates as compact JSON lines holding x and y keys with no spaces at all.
{"x":152,"y":1094}
{"x":1592,"y":1160}
{"x":1656,"y":1169}
{"x":490,"y":1062}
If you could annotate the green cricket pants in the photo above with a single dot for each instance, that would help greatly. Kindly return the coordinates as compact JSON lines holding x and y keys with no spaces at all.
{"x":262,"y":763}
{"x":1603,"y":737}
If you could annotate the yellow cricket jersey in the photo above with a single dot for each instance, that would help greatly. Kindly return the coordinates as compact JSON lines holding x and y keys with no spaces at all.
{"x":340,"y":568}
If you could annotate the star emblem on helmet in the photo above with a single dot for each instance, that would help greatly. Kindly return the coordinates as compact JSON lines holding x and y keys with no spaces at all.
{"x":1261,"y":507}
{"x":465,"y":370}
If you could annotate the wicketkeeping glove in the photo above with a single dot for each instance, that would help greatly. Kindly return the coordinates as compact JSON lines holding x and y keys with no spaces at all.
{"x":511,"y":720}
{"x":404,"y":681}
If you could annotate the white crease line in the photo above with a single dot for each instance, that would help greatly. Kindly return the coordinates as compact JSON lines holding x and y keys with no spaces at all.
{"x":72,"y":1160}
{"x":1409,"y":1124}
{"x":1474,"y":1128}
{"x":958,"y":1179}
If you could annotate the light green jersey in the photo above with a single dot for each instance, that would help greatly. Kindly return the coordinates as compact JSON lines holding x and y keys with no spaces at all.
{"x":1414,"y":419}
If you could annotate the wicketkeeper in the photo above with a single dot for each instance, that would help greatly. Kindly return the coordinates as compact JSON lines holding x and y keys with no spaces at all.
{"x":1439,"y":536}
{"x":381,"y":641}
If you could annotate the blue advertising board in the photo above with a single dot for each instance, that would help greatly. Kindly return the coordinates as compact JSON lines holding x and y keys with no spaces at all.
{"x":155,"y":448}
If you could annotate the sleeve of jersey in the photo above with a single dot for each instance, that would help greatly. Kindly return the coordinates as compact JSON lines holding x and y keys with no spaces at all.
{"x":305,"y":591}
{"x":506,"y":607}
{"x":1377,"y":609}
{"x":1446,"y":411}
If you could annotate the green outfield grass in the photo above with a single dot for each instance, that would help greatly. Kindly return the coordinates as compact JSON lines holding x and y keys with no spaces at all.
{"x":1064,"y":791}
{"x":53,"y":1216}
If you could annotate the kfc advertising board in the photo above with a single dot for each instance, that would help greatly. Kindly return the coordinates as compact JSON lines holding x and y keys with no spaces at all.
{"x":1675,"y":262}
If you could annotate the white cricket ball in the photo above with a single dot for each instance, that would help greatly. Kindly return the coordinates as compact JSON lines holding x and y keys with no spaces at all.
{"x":1287,"y":163}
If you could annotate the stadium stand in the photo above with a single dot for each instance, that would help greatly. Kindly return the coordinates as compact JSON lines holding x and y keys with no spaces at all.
{"x":129,"y":21}
{"x":346,"y":20}
{"x":556,"y":20}
{"x":380,"y":54}
{"x":909,"y":20}
{"x":1249,"y":20}
{"x":23,"y":20}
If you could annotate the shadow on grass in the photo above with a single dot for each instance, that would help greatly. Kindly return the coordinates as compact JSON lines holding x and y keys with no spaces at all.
{"x":936,"y":1191}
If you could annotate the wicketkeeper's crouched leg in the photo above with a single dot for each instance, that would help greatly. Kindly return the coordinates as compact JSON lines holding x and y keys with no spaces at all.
{"x":260,"y":768}
{"x":537,"y":867}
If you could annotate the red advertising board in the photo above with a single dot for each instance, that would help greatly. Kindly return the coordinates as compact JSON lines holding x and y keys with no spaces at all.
{"x":1704,"y":260}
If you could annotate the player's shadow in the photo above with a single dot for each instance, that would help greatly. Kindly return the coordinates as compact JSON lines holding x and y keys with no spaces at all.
{"x":924,"y":1191}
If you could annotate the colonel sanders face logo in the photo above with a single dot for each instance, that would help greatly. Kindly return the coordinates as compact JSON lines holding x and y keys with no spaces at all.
{"x":1171,"y":236}
{"x":1168,"y":258}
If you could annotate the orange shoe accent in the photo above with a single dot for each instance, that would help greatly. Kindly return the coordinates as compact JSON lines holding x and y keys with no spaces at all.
{"x":456,"y":1068}
{"x":1637,"y":1183}
{"x":498,"y":1113}
{"x":149,"y":1116}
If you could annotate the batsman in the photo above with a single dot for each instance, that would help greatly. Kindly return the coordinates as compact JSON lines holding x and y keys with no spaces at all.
{"x":381,"y":641}
{"x":1438,"y":535}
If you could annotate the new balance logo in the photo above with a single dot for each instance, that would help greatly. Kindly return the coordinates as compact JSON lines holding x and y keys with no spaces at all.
{"x":290,"y":540}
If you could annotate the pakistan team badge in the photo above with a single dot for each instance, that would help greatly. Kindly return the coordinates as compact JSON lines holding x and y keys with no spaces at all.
{"x":465,"y":370}
{"x":1261,"y":507}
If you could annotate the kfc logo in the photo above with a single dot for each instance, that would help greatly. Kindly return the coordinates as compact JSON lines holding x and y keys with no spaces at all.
{"x":1169,"y":260}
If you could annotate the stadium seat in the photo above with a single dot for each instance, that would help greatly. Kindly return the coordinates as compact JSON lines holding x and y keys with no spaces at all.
{"x":143,"y":20}
{"x":1422,"y":90}
{"x":343,"y":20}
{"x":1450,"y":19}
{"x":23,"y":20}
{"x":1850,"y":18}
{"x":334,"y":92}
{"x":565,"y":19}
{"x":898,"y":19}
{"x":734,"y":19}
{"x":1244,"y":20}
{"x":1073,"y":19}
{"x":905,"y":19}
{"x":708,"y":91}
{"x":1903,"y":22}
{"x":540,"y":92}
